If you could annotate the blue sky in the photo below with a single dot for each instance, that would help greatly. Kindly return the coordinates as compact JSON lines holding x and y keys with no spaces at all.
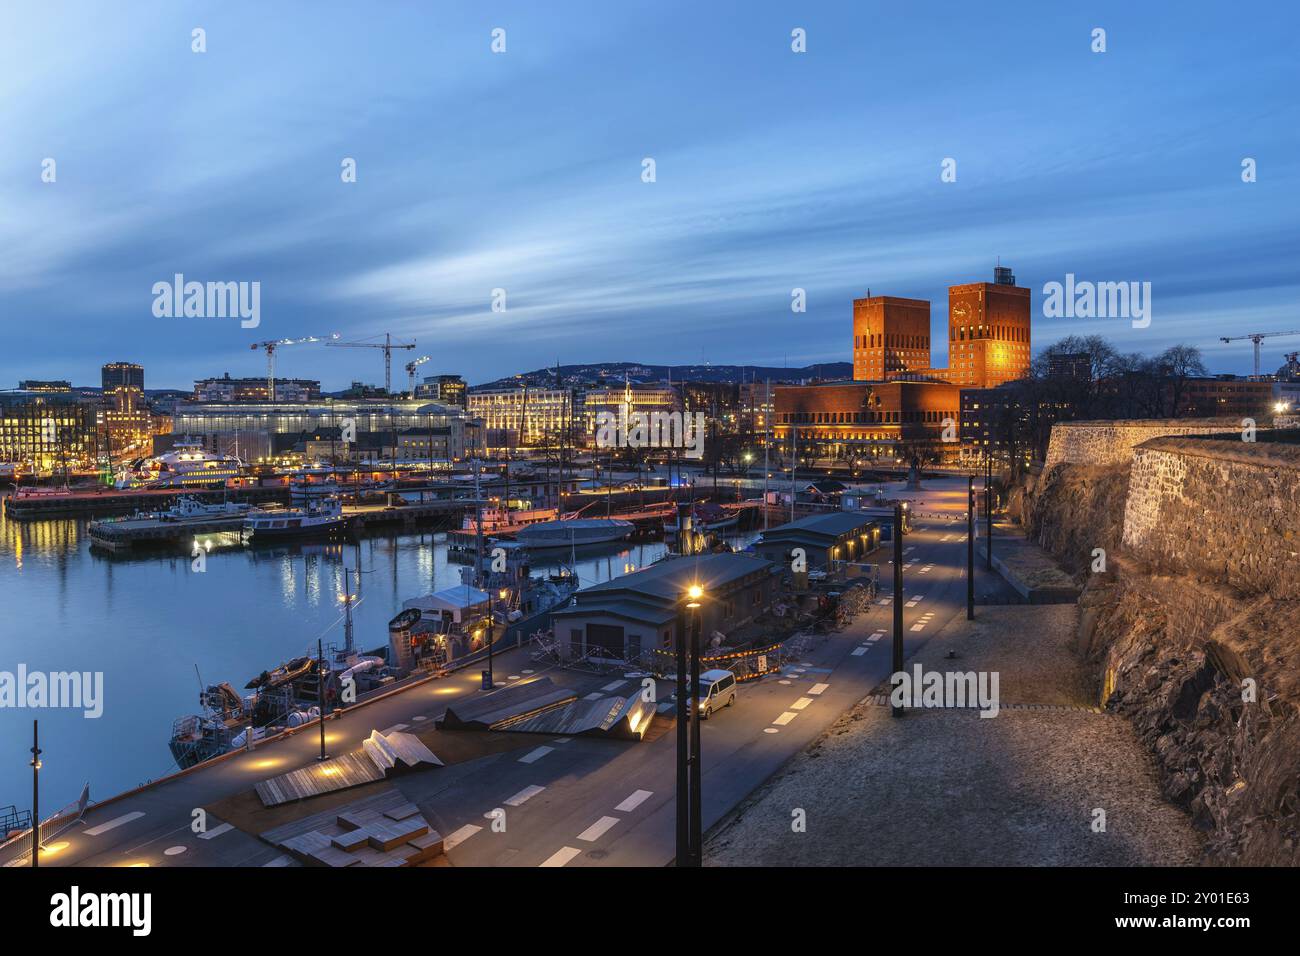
{"x":522,"y":171}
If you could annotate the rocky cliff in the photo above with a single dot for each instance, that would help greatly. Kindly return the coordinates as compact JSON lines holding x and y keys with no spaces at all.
{"x":1192,"y":627}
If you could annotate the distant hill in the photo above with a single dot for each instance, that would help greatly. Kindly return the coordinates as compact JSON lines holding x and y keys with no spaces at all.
{"x":637,"y":372}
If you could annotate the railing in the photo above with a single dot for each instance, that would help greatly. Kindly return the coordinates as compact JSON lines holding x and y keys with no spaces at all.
{"x":17,"y":849}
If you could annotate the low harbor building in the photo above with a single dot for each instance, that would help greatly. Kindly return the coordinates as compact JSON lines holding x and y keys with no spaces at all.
{"x":826,"y":539}
{"x":632,"y":616}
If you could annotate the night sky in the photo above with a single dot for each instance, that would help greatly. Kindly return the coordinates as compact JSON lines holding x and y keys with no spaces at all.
{"x":523,"y":171}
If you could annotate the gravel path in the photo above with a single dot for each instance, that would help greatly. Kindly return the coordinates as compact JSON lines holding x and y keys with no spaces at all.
{"x":947,"y":787}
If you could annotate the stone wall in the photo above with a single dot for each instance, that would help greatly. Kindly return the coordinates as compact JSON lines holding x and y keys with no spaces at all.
{"x":1224,"y":511}
{"x":1112,"y":443}
{"x":1201,"y":598}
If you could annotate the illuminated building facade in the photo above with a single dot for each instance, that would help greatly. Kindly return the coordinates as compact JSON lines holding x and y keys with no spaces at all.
{"x":613,"y":399}
{"x":988,"y":332}
{"x":868,"y":419}
{"x":514,"y":417}
{"x":43,"y":430}
{"x":262,"y":430}
{"x":890,"y":335}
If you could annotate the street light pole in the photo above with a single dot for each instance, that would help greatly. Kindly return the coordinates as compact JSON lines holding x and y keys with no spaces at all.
{"x":682,"y":857}
{"x":970,"y":548}
{"x":898,"y":596}
{"x":320,"y":692}
{"x":36,"y":796}
{"x":988,"y":512}
{"x":697,"y":827}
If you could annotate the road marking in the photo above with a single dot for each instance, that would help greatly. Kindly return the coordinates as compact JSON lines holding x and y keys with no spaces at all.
{"x":217,"y":831}
{"x":561,"y":856}
{"x":513,"y":677}
{"x":909,"y":550}
{"x":785,"y":718}
{"x":614,"y":685}
{"x":918,"y":627}
{"x":631,"y":803}
{"x":770,"y":730}
{"x":818,"y":688}
{"x":281,"y":860}
{"x":175,"y":850}
{"x":534,"y":755}
{"x":562,"y":740}
{"x":459,"y":837}
{"x":910,"y":604}
{"x":886,"y":600}
{"x":395,"y":728}
{"x":876,"y":635}
{"x":801,"y":703}
{"x":594,"y":695}
{"x":419,"y":717}
{"x":113,"y":824}
{"x":597,"y":829}
{"x":918,"y":597}
{"x":859,"y":651}
{"x":524,"y":795}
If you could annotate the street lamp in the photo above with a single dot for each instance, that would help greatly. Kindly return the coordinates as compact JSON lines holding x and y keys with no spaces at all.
{"x":970,"y":548}
{"x":898,"y":596}
{"x":689,"y":817}
{"x":36,"y":796}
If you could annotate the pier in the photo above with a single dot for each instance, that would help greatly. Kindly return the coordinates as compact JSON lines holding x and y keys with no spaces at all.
{"x":108,"y":501}
{"x":123,"y":534}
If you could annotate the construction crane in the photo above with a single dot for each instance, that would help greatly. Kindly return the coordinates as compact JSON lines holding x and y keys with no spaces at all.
{"x":387,"y":345}
{"x":410,"y":372}
{"x":270,"y":348}
{"x":1255,"y":337}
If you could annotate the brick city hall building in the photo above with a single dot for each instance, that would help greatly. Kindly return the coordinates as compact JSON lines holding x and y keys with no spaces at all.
{"x":898,"y":401}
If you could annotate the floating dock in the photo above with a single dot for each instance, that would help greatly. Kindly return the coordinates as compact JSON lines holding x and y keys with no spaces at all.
{"x":123,"y":534}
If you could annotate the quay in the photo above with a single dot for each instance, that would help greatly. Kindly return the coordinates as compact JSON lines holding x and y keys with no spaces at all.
{"x":123,"y":534}
{"x":107,"y":501}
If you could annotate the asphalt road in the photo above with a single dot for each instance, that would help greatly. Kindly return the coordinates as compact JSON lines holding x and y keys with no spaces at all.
{"x":574,"y":801}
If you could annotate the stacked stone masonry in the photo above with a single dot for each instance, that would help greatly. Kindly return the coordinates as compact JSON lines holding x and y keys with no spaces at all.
{"x":1112,"y":443}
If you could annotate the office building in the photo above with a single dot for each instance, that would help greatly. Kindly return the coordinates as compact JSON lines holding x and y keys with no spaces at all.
{"x":264,"y":430}
{"x":446,"y":389}
{"x":115,"y":374}
{"x":45,"y":430}
{"x":227,"y":389}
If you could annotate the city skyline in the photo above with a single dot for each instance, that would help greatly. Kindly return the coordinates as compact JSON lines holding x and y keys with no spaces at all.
{"x":225,"y":166}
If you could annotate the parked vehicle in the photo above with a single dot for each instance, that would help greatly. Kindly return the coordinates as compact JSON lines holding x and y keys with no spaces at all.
{"x":717,"y":690}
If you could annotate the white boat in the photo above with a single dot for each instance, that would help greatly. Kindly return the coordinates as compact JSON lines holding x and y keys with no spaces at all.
{"x":574,"y":532}
{"x":317,"y":518}
{"x":191,"y":509}
{"x":186,"y":465}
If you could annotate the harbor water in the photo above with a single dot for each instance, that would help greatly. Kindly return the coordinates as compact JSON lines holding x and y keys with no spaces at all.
{"x":147,"y":621}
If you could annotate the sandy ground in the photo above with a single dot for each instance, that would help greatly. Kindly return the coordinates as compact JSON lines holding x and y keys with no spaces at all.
{"x":948,"y":787}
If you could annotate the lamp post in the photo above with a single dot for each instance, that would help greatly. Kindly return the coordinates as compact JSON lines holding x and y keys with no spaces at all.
{"x":689,"y":817}
{"x":682,"y":856}
{"x":988,"y":512}
{"x":697,"y":825}
{"x":36,"y":796}
{"x":320,"y":692}
{"x":898,"y":597}
{"x":970,"y":548}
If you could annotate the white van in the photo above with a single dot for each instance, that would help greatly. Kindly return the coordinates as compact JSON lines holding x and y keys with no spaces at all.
{"x":717,"y":690}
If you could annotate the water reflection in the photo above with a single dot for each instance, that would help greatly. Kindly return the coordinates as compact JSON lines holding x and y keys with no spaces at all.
{"x":149,"y":621}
